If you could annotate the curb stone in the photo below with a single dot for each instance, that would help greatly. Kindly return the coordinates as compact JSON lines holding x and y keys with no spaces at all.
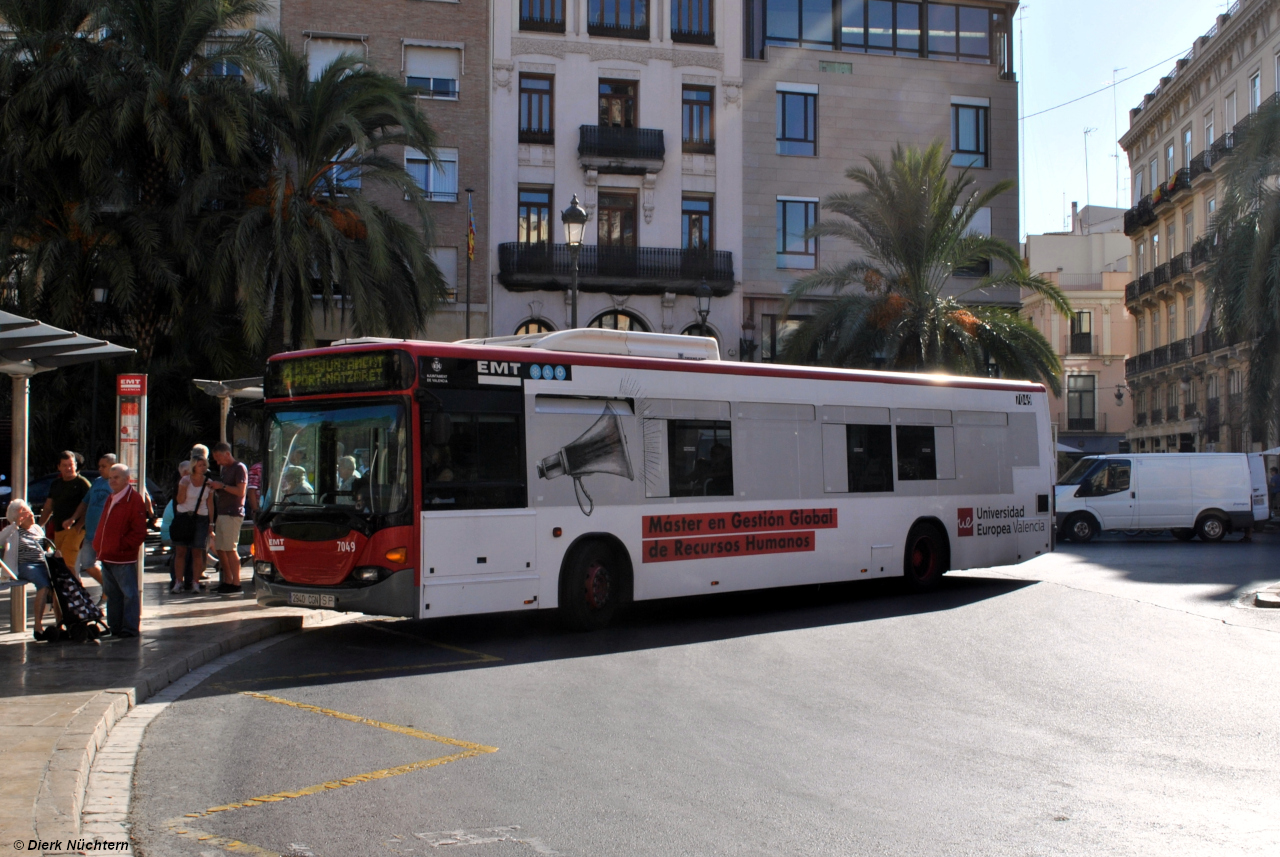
{"x":60,"y":799}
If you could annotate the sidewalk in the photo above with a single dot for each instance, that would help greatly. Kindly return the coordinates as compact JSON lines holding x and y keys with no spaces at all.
{"x":58,"y":701}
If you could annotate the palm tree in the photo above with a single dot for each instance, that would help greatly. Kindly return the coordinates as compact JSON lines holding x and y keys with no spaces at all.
{"x":310,"y":226}
{"x":912,"y":224}
{"x":1244,"y":277}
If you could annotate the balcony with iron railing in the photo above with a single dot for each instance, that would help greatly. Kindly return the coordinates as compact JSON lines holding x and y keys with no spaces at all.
{"x":1140,"y":418}
{"x":1157,"y":416}
{"x":1171,"y":413}
{"x":1190,"y":411}
{"x":1200,"y":165}
{"x":1180,"y":265}
{"x":1200,"y":252}
{"x":1146,"y":284}
{"x":1131,"y":292}
{"x":1142,"y":214}
{"x":1160,"y":357}
{"x":626,"y":151}
{"x":1161,"y":274}
{"x":1222,"y":147}
{"x":1080,"y":344}
{"x":627,"y":270}
{"x":1212,"y":412}
{"x":1095,"y":423}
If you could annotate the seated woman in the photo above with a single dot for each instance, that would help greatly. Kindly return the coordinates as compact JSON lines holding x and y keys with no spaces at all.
{"x":296,"y":487}
{"x":24,"y":557}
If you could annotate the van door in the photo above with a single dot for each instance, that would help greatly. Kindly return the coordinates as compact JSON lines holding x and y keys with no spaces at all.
{"x":1258,"y":487}
{"x":1109,"y":493}
{"x":1165,"y":498}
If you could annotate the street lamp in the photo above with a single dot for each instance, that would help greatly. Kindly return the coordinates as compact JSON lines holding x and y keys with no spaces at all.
{"x":99,"y":294}
{"x":574,"y":219}
{"x":747,"y":344}
{"x":702,"y":294}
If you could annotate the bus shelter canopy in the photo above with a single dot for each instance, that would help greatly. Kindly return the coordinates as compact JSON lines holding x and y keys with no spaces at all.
{"x":28,"y":347}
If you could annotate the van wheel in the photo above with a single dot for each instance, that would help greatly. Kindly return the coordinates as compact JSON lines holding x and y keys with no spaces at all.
{"x":1211,"y":528}
{"x":1183,"y":534}
{"x":1082,"y":528}
{"x":592,"y":587}
{"x":926,"y":557}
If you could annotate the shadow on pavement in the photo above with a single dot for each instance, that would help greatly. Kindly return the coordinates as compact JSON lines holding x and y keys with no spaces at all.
{"x":384,"y":648}
{"x":1235,"y":565}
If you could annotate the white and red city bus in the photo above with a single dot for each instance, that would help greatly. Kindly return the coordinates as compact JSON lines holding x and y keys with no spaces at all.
{"x":586,"y":468}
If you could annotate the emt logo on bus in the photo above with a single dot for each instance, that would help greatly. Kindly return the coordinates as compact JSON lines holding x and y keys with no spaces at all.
{"x":725,"y":534}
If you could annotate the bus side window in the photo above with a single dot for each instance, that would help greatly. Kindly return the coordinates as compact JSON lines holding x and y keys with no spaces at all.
{"x":917,"y":453}
{"x":472,"y":461}
{"x":870,"y":457}
{"x":700,"y":458}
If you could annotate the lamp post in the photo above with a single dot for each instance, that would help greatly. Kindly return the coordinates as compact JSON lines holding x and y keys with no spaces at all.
{"x":574,"y":219}
{"x":471,"y":251}
{"x":702,"y":294}
{"x":99,"y":304}
{"x":747,"y":345}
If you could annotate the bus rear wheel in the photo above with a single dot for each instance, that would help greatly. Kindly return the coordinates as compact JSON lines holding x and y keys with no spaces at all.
{"x":926,"y":557}
{"x":592,"y":587}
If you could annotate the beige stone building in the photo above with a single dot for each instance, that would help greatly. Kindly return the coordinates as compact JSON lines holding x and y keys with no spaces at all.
{"x":1187,"y":383}
{"x":819,"y":96}
{"x":1092,"y":265}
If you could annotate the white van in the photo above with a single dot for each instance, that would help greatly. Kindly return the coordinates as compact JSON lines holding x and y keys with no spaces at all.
{"x":1192,"y":494}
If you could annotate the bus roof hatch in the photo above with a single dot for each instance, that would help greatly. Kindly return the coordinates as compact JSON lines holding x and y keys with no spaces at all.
{"x":592,"y":340}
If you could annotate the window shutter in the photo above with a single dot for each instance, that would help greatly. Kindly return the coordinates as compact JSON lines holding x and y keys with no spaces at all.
{"x":443,"y":63}
{"x":322,"y":52}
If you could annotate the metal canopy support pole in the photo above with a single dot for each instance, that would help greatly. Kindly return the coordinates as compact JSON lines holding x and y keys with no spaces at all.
{"x":18,"y":484}
{"x":224,"y":412}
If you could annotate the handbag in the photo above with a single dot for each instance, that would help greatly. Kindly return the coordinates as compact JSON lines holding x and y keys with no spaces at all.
{"x":183,"y":526}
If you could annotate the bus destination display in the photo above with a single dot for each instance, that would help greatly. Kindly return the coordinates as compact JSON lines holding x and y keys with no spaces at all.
{"x":363,"y":372}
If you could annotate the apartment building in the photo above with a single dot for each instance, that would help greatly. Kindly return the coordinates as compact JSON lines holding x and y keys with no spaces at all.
{"x":634,"y":107}
{"x":824,"y":85}
{"x":1092,"y":265}
{"x":442,"y":49}
{"x":1187,"y":382}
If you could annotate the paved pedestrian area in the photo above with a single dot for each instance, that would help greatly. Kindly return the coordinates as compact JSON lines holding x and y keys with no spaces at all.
{"x":59,"y":700}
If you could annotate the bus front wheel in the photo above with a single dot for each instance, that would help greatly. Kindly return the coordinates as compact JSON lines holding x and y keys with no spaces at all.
{"x":926,"y":559}
{"x":592,"y":586}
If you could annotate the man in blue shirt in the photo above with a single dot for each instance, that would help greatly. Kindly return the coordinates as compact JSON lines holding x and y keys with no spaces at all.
{"x":90,"y":511}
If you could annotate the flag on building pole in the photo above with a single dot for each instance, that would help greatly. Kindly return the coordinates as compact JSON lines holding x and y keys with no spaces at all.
{"x":471,"y":231}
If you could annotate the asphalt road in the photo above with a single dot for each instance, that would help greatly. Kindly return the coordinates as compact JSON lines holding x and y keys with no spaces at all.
{"x":1114,"y":698}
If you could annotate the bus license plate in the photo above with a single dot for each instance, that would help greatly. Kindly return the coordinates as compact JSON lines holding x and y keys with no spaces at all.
{"x":307,"y":599}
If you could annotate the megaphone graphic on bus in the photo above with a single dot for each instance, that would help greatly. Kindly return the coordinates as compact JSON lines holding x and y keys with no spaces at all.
{"x":600,"y":449}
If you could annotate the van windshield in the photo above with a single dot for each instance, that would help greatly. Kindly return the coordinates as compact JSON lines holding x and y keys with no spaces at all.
{"x":1078,"y":472}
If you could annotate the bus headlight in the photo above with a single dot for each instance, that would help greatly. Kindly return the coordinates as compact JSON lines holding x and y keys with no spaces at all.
{"x":263,"y":570}
{"x":370,"y":573}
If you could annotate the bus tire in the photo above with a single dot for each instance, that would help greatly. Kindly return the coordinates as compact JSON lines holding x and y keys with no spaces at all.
{"x":1082,"y":527}
{"x":927,"y":556}
{"x":1211,"y":528}
{"x":593,"y":586}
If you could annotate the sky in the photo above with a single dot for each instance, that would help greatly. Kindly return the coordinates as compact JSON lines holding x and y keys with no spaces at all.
{"x":1068,"y":48}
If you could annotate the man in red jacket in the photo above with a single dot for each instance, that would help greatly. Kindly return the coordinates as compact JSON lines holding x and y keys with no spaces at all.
{"x":121,"y":531}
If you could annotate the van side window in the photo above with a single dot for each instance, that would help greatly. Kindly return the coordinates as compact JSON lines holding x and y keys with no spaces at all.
{"x":917,"y":453}
{"x":870,"y":458}
{"x":700,"y":458}
{"x":1111,"y":479}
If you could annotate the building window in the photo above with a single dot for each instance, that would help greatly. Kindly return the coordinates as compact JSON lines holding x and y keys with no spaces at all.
{"x":700,"y":458}
{"x":1208,"y":130}
{"x":881,"y":27}
{"x":1172,"y":313}
{"x":1142,"y":334}
{"x":1186,"y":146}
{"x":617,"y":104}
{"x":1171,"y":401}
{"x":432,"y":72}
{"x":616,"y":222}
{"x":439,"y":180}
{"x":224,"y":68}
{"x":446,"y":259}
{"x":534,"y":223}
{"x":344,"y":176}
{"x":795,"y":216}
{"x":773,"y":335}
{"x":1169,"y":166}
{"x":1139,"y":186}
{"x":697,"y":133}
{"x":963,"y":32}
{"x":969,"y":135}
{"x":691,"y":21}
{"x":534,"y":325}
{"x":1142,"y":258}
{"x":1155,"y":250}
{"x":870,"y":458}
{"x":1082,"y":332}
{"x":543,"y":15}
{"x":1082,"y":400}
{"x":797,"y":122}
{"x":321,"y":53}
{"x":1255,"y":92}
{"x":1155,"y":328}
{"x":1211,"y":386}
{"x":799,"y":23}
{"x":625,"y":19}
{"x":1235,"y":382}
{"x":1229,"y":112}
{"x":537,"y":123}
{"x":1189,"y":313}
{"x":619,"y":320}
{"x":696,"y":226}
{"x":1188,"y":228}
{"x":1154,"y":178}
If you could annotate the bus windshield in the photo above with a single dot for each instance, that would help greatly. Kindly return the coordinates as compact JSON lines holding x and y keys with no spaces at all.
{"x":353,"y":456}
{"x":1078,"y":471}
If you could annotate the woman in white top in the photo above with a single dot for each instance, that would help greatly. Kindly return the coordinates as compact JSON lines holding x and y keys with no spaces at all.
{"x":24,"y":557}
{"x":194,"y":497}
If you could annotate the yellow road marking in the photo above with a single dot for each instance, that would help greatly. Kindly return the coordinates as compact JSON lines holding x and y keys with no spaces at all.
{"x":235,"y":846}
{"x":355,"y":718}
{"x":479,"y":658}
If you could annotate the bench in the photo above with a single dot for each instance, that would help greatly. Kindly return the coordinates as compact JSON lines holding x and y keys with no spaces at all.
{"x":17,"y":605}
